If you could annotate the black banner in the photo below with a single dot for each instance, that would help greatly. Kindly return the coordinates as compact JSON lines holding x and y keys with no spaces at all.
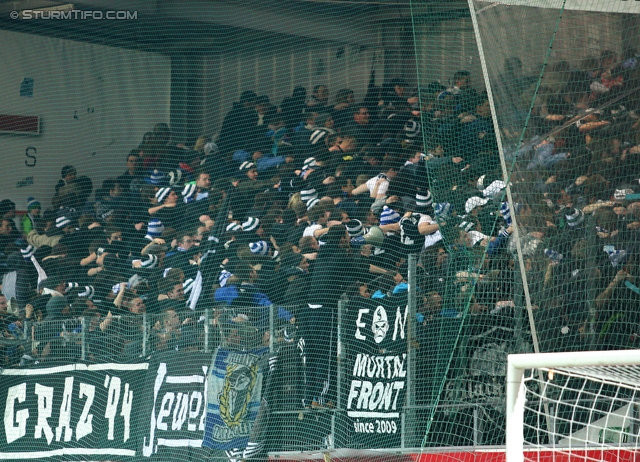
{"x":157,"y":409}
{"x":175,"y":409}
{"x":75,"y":411}
{"x":481,"y":371}
{"x":376,"y":371}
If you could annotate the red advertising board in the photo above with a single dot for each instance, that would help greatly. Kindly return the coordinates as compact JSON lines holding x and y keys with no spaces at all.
{"x":483,"y":456}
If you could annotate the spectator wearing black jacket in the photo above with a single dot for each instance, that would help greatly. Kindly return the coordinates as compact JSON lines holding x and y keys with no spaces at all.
{"x":242,"y":119}
{"x":319,"y":319}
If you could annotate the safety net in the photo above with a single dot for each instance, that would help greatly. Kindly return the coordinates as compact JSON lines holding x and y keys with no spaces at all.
{"x":306,"y":228}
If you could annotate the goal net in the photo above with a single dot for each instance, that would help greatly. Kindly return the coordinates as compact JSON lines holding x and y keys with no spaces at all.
{"x":575,"y":406}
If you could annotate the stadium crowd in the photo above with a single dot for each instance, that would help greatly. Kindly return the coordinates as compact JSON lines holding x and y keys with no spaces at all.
{"x":298,"y":205}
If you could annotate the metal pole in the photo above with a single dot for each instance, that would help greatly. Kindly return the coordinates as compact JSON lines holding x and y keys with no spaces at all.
{"x":271,"y":327}
{"x":505,"y":174}
{"x":340,"y":355}
{"x":207,"y":319}
{"x":506,"y":177}
{"x":519,"y":312}
{"x":83,"y":337}
{"x":144,"y":334}
{"x":592,"y":292}
{"x":339,"y":373}
{"x":403,"y":421}
{"x":411,"y":356}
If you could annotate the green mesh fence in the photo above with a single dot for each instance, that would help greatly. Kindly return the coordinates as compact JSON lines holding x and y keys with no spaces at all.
{"x":238,"y":228}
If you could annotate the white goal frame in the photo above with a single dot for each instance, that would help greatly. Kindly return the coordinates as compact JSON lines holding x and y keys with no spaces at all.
{"x":515,"y":387}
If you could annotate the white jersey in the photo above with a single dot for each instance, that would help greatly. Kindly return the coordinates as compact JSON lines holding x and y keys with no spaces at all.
{"x":432,"y":238}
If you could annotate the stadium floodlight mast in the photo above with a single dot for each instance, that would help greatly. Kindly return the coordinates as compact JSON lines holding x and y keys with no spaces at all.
{"x":593,"y":372}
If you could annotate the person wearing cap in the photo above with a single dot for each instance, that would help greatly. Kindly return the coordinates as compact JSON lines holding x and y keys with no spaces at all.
{"x":423,"y":210}
{"x":300,"y":139}
{"x":250,"y":170}
{"x":156,"y":178}
{"x":320,"y":132}
{"x":246,"y":188}
{"x":166,"y":207}
{"x":195,"y":198}
{"x":252,"y":231}
{"x":68,"y":175}
{"x":60,"y":226}
{"x":29,"y":221}
{"x":164,"y":198}
{"x":71,"y":191}
{"x":155,"y":228}
{"x":314,"y":178}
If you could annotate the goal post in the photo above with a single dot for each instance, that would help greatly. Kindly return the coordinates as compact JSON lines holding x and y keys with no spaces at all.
{"x":580,"y":403}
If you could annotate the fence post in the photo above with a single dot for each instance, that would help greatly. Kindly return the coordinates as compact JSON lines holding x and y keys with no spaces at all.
{"x":207,"y":320}
{"x":271,"y":327}
{"x":409,"y":421}
{"x":342,"y":305}
{"x":340,"y":353}
{"x":592,"y":292}
{"x":83,"y":337}
{"x":144,"y":334}
{"x":519,"y":312}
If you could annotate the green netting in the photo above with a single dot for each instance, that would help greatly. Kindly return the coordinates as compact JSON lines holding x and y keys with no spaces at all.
{"x":237,"y":227}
